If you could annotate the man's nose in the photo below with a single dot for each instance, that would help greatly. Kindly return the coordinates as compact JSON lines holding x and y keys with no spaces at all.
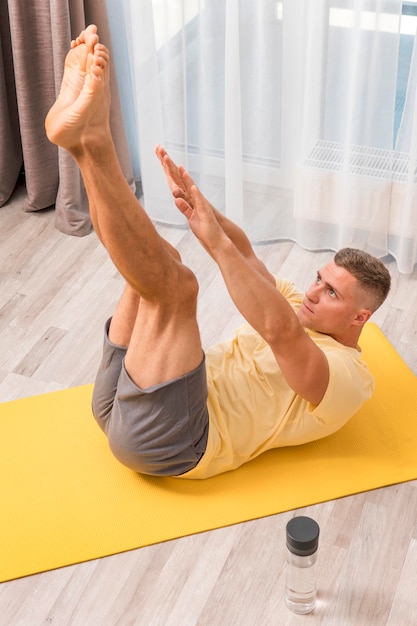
{"x":313,"y":293}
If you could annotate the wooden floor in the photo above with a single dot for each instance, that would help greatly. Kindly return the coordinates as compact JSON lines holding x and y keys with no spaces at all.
{"x":56,"y":292}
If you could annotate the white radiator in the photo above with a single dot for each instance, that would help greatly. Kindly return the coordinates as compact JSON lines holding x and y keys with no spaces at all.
{"x":367,"y":187}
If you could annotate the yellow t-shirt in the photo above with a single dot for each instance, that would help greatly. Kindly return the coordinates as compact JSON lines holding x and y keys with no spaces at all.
{"x":252,"y":408}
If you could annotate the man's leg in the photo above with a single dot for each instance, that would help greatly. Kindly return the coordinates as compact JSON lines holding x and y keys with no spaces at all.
{"x":124,"y":317}
{"x":165,"y":340}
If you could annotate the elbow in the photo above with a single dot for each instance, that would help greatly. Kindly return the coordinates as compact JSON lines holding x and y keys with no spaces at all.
{"x":283,"y":333}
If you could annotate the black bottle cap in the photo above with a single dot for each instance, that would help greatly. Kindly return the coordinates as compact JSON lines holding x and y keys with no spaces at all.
{"x":302,"y":536}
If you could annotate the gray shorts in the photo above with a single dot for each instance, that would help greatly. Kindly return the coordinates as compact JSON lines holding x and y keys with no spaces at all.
{"x":161,"y":430}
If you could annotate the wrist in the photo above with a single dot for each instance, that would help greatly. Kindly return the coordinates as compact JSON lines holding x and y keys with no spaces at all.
{"x":222,"y":247}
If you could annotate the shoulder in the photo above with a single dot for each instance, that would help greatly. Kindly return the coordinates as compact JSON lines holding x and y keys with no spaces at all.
{"x":289,"y":290}
{"x":350,"y":381}
{"x":340,"y":356}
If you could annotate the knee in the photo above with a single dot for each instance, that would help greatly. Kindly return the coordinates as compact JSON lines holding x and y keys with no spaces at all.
{"x":131,"y":442}
{"x":154,"y":448}
{"x":101,"y":409}
{"x":182,"y":293}
{"x":190,"y":286}
{"x":129,"y":456}
{"x":173,"y":251}
{"x":138,"y":454}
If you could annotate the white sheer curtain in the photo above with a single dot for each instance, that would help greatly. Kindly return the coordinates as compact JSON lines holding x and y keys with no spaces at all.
{"x":285,"y":113}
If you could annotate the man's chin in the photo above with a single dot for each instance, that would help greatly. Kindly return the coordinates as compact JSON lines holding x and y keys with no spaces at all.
{"x":308,"y":324}
{"x":304,"y":320}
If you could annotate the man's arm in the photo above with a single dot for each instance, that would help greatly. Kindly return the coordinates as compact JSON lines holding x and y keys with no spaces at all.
{"x":242,"y":243}
{"x":302,"y":362}
{"x":175,"y":180}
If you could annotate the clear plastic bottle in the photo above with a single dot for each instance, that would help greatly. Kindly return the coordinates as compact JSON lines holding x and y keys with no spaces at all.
{"x":302,"y":544}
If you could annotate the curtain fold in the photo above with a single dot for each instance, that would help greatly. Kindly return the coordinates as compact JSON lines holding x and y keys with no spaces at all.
{"x":10,"y":147}
{"x":285,"y":112}
{"x":35,"y":38}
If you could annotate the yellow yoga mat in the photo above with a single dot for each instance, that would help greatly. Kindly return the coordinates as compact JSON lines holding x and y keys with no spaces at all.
{"x":65,"y":499}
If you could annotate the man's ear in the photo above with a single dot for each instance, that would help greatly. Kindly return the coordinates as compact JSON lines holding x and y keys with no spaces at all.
{"x":362,"y":316}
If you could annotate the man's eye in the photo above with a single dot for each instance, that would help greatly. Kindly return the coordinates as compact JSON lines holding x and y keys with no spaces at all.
{"x":332,"y":293}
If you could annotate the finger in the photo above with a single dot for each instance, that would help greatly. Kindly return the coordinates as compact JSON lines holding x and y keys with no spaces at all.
{"x":169,"y":165}
{"x":187,"y":181}
{"x":184,"y":207}
{"x":160,"y":153}
{"x":186,"y":175}
{"x":177,"y":192}
{"x":198,"y":203}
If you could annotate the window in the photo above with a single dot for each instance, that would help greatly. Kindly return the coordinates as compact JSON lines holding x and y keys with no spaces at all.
{"x":408,"y":30}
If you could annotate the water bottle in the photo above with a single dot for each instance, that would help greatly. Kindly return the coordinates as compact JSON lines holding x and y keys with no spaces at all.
{"x":302,"y":544}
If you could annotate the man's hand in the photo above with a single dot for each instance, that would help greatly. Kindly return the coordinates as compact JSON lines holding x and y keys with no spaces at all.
{"x":180,"y":185}
{"x":200,"y":215}
{"x":173,"y":174}
{"x":198,"y":211}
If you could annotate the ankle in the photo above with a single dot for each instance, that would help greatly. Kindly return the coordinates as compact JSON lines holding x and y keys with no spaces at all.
{"x":96,"y":146}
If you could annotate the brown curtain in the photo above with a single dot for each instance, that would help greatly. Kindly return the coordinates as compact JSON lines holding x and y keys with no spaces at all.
{"x":34,"y":40}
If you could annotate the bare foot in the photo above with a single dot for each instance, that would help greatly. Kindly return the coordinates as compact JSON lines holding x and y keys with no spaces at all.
{"x":81,"y":111}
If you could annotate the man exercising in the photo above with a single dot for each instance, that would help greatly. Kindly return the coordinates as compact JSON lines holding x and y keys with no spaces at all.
{"x":292,"y":374}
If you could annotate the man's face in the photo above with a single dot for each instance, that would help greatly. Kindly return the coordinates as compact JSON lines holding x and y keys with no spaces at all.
{"x":331,"y":304}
